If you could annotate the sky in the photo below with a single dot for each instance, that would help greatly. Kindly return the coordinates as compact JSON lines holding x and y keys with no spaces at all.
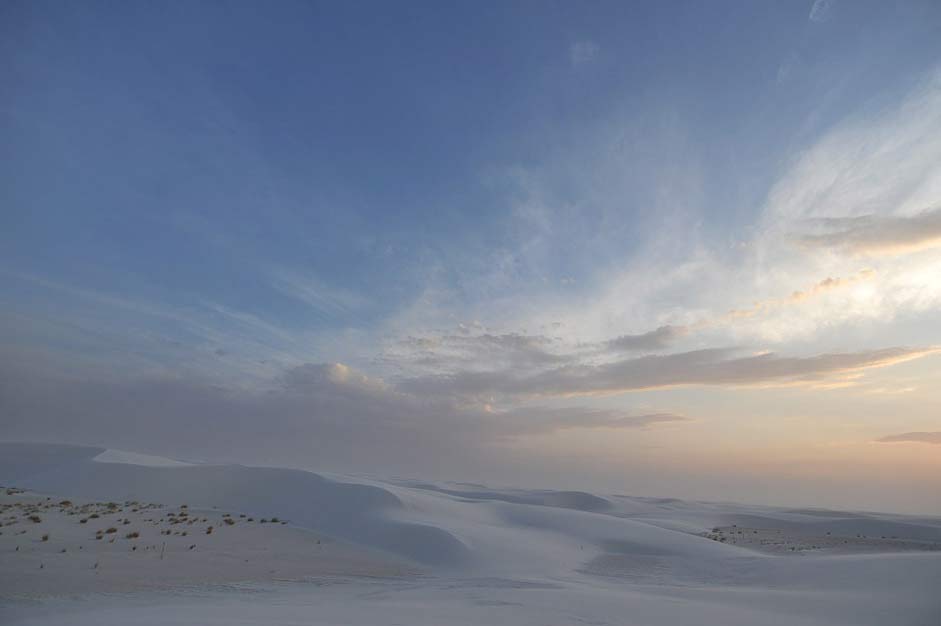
{"x":677,"y":249}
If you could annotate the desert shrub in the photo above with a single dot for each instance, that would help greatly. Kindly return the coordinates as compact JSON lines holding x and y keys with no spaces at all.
{"x":45,"y":537}
{"x":94,"y":516}
{"x":229,"y":521}
{"x":65,"y":503}
{"x":35,"y":519}
{"x":209,"y":530}
{"x":275,"y":520}
{"x":111,"y":531}
{"x":132,"y":535}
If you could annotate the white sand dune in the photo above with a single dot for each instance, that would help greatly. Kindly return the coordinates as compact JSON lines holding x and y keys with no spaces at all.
{"x":134,"y":458}
{"x":484,"y":555}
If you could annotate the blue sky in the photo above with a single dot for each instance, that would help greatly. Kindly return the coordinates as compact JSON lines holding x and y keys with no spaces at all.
{"x":486,"y":209}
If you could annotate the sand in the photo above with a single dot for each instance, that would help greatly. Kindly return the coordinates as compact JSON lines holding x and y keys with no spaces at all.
{"x":368,"y":551}
{"x":95,"y":547}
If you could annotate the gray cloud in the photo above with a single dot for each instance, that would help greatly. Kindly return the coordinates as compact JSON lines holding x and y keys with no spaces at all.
{"x":872,"y":234}
{"x":701,"y":367}
{"x":325,"y":416}
{"x":657,"y":339}
{"x":543,"y":419}
{"x":917,"y":437}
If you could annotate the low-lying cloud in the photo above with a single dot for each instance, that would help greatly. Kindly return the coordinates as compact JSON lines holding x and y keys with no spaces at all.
{"x":326,"y":416}
{"x":916,"y":437}
{"x":701,"y":367}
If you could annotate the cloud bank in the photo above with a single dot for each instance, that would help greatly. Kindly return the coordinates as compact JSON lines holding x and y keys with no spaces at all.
{"x":708,"y":367}
{"x":314,"y":415}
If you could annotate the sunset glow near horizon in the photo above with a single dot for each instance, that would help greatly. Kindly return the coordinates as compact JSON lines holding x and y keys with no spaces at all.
{"x":692,"y":252}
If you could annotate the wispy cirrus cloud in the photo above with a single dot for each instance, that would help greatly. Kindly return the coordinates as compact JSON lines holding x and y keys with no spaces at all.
{"x":330,"y":302}
{"x":582,"y":52}
{"x":795,"y":298}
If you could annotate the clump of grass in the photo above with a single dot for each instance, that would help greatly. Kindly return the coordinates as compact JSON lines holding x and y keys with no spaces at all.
{"x":209,"y":530}
{"x":45,"y":537}
{"x":132,"y":535}
{"x":65,"y":503}
{"x":94,"y":516}
{"x":111,"y":531}
{"x":229,"y":521}
{"x":35,"y":519}
{"x":275,"y":520}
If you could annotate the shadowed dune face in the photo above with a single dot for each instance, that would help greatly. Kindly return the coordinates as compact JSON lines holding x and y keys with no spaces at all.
{"x":349,"y":511}
{"x":578,"y":500}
